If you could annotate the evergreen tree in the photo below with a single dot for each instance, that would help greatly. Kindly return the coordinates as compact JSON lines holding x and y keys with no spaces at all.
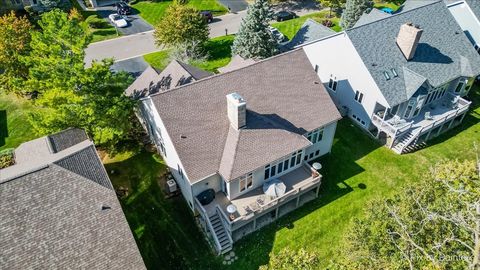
{"x":50,"y":4}
{"x":354,"y":9}
{"x":254,"y":39}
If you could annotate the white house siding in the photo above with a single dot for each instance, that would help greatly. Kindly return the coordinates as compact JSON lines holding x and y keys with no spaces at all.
{"x":170,"y":157}
{"x":212,"y":182}
{"x":234,"y":185}
{"x":336,"y":57}
{"x":467,"y":21}
{"x":325,"y":145}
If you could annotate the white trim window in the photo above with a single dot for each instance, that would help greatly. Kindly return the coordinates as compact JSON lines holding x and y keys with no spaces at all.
{"x":282,"y":165}
{"x":359,"y":97}
{"x":246,"y":182}
{"x":315,"y":135}
{"x":332,"y":84}
{"x":460,"y":87}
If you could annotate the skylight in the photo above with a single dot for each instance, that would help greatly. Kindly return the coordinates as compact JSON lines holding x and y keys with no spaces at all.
{"x":394,"y":72}
{"x":387,"y":76}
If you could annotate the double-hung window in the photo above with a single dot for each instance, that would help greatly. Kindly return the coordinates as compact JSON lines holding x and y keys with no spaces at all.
{"x":460,"y":86}
{"x":332,"y":84}
{"x":246,"y":182}
{"x":358,"y":96}
{"x":315,"y":135}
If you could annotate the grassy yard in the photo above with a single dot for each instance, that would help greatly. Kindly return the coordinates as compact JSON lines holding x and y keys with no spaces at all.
{"x":290,"y":28}
{"x":153,"y":12}
{"x":14,"y":127}
{"x":218,"y":50}
{"x":357,"y":171}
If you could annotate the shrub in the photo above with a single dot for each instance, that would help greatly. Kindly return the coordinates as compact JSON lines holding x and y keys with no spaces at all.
{"x":328,"y":23}
{"x":95,"y":22}
{"x":6,"y":158}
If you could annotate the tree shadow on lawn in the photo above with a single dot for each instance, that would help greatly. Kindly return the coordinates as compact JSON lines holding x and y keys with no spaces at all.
{"x":3,"y":127}
{"x":350,"y":144}
{"x":164,"y":229}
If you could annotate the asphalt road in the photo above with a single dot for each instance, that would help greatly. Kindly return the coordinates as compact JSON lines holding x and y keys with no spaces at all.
{"x":135,"y":45}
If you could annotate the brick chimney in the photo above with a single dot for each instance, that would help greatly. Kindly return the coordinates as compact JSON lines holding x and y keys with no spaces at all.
{"x":237,"y":110}
{"x":408,"y":38}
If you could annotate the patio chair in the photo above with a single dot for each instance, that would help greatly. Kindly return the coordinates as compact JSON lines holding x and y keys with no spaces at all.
{"x":428,"y":116}
{"x":454,"y":103}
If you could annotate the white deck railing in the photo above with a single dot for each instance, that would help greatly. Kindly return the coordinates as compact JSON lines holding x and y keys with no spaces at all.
{"x":204,"y":215}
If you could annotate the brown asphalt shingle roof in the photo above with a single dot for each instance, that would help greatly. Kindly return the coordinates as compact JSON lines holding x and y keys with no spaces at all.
{"x":285,"y":100}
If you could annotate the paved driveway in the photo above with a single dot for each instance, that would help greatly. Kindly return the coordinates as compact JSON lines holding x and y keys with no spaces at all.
{"x":135,"y":23}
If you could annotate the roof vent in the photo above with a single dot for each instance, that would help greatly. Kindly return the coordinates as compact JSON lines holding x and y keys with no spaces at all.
{"x":408,"y":38}
{"x":105,"y":207}
{"x":236,"y":110}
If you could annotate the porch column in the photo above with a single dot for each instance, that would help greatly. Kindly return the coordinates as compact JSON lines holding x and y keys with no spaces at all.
{"x":276,"y":212}
{"x":430,"y":131}
{"x":298,"y":199}
{"x":451,"y":122}
{"x":463,"y":116}
{"x":254,"y":223}
{"x":318,"y":189}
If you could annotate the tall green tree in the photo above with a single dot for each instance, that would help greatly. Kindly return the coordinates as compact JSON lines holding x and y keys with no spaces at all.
{"x":354,"y":9}
{"x":181,"y":25}
{"x":15,"y":36}
{"x":433,"y":225}
{"x":70,"y":95}
{"x":254,"y":39}
{"x":50,"y":4}
{"x":331,"y":4}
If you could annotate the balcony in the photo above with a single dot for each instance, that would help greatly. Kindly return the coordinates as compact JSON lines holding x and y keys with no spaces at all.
{"x":430,"y":117}
{"x":253,"y":208}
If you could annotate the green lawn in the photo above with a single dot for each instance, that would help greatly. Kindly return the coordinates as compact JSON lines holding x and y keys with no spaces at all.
{"x":290,"y":28}
{"x":163,"y":228}
{"x":104,"y":33}
{"x":218,"y":50}
{"x":153,"y":12}
{"x":357,"y":171}
{"x":14,"y":127}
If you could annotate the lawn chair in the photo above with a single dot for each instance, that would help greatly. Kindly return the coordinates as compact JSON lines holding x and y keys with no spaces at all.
{"x":428,"y":116}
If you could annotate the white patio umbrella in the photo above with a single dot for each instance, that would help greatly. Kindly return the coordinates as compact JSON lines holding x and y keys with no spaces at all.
{"x":274,"y":188}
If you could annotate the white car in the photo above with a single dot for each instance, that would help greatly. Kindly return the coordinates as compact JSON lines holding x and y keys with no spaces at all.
{"x":118,"y":20}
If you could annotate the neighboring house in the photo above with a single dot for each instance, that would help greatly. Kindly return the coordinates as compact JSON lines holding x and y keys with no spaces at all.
{"x":233,"y":132}
{"x":235,"y":63}
{"x":60,"y":211}
{"x":310,"y":31}
{"x":403,"y":78}
{"x":175,"y":74}
{"x":371,"y":16}
{"x":467,"y":14}
{"x":16,"y":4}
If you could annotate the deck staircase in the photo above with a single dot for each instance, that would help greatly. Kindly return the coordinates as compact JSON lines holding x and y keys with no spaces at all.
{"x":220,"y":234}
{"x":407,"y":142}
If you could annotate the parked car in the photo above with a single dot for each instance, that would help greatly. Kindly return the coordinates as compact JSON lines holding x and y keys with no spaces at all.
{"x":207,"y":15}
{"x":123,"y":8}
{"x":284,"y":15}
{"x":277,"y":34}
{"x":118,"y":20}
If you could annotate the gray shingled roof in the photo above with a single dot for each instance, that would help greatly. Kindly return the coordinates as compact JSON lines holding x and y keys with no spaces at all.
{"x":53,"y":219}
{"x":373,"y":15}
{"x":59,"y":209}
{"x":175,"y":74}
{"x":67,"y":138}
{"x":283,"y":90}
{"x":87,"y":164}
{"x":310,"y":31}
{"x":444,"y":52}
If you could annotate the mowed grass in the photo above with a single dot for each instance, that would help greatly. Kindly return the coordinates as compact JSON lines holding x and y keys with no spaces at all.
{"x":290,"y":28}
{"x":14,"y":126}
{"x":218,"y":49}
{"x":153,"y":12}
{"x":164,"y":229}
